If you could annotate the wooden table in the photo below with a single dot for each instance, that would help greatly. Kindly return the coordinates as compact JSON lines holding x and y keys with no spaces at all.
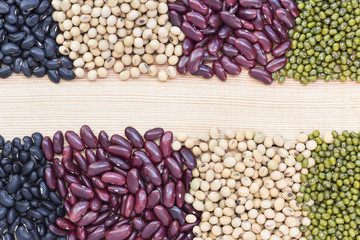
{"x":186,"y":104}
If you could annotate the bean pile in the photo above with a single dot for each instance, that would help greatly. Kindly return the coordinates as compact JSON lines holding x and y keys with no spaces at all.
{"x":232,"y":34}
{"x":27,"y":206}
{"x":325,"y":42}
{"x":128,"y":36}
{"x":116,"y":190}
{"x":246,"y":185}
{"x":331,"y":187}
{"x":27,"y":34}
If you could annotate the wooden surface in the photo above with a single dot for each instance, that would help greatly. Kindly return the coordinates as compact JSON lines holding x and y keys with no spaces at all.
{"x":185,"y":104}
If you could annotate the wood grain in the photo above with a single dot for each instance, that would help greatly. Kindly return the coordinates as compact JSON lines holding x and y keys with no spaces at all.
{"x":185,"y":104}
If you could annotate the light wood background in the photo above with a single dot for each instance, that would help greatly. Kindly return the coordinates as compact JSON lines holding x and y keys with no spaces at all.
{"x":186,"y":104}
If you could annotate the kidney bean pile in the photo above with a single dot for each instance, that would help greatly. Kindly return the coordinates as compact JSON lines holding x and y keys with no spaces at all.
{"x":27,"y":205}
{"x":231,"y":34}
{"x":27,"y":45}
{"x":120,"y":188}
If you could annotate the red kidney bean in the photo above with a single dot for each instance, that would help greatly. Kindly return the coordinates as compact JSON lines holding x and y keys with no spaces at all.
{"x":208,"y":31}
{"x":204,"y":71}
{"x":78,"y":210}
{"x":165,"y":144}
{"x":132,"y":180}
{"x":191,"y":32}
{"x":258,"y":21}
{"x":276,"y":64}
{"x":88,"y":137}
{"x":149,"y":215}
{"x":242,"y":61}
{"x":229,"y":66}
{"x":188,"y":226}
{"x":121,"y":141}
{"x":129,"y":205}
{"x":285,"y":17}
{"x":195,"y":60}
{"x":101,"y":154}
{"x":119,"y":163}
{"x":224,"y":32}
{"x":273,"y":35}
{"x":173,"y":167}
{"x":175,"y":18}
{"x":58,"y":142}
{"x":134,"y":137}
{"x":120,"y":233}
{"x":71,"y":197}
{"x":198,"y":6}
{"x":72,"y":236}
{"x":86,"y":181}
{"x":280,"y":28}
{"x":229,"y":50}
{"x":112,"y":220}
{"x":58,"y":168}
{"x":90,"y":156}
{"x":177,"y":214}
{"x":98,"y":167}
{"x":186,"y":179}
{"x":87,"y":219}
{"x":151,"y":228}
{"x":267,"y":13}
{"x":71,"y":167}
{"x":251,"y":3}
{"x":214,"y":45}
{"x":177,"y":157}
{"x":70,"y":178}
{"x":80,"y":233}
{"x":97,"y":234}
{"x":196,"y":19}
{"x":214,"y":21}
{"x":281,"y":49}
{"x":50,"y":178}
{"x":74,"y":140}
{"x":214,"y":4}
{"x":136,"y":162}
{"x":154,"y":151}
{"x":219,"y":70}
{"x":102,"y":218}
{"x":245,"y":48}
{"x":160,"y":166}
{"x":231,"y":2}
{"x":261,"y":57}
{"x":140,"y":201}
{"x":117,"y":190}
{"x":174,"y":229}
{"x":169,"y":194}
{"x":97,"y":182}
{"x":65,"y":224}
{"x":264,"y":41}
{"x":95,"y":204}
{"x":261,"y":75}
{"x":119,"y":151}
{"x":139,"y":223}
{"x":180,"y":194}
{"x":61,"y":188}
{"x":231,"y":40}
{"x":153,"y":134}
{"x":291,"y":6}
{"x":67,"y":154}
{"x":160,"y":233}
{"x":67,"y":207}
{"x":165,"y":176}
{"x":191,"y":210}
{"x":247,"y":25}
{"x":113,"y":178}
{"x":182,"y":64}
{"x":181,"y":236}
{"x":162,"y":215}
{"x":189,"y":236}
{"x":245,"y":34}
{"x":275,"y":4}
{"x":247,"y":13}
{"x":188,"y":46}
{"x":133,"y":235}
{"x":47,"y":147}
{"x":102,"y":194}
{"x":58,"y":231}
{"x":153,"y":199}
{"x":209,"y":57}
{"x":177,"y":7}
{"x":230,"y":20}
{"x":103,"y":139}
{"x":80,"y":161}
{"x":81,"y":191}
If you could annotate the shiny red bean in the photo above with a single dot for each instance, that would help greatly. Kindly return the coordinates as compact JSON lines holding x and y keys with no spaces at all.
{"x":182,"y":64}
{"x":188,"y":158}
{"x":214,"y":4}
{"x":161,"y":233}
{"x":72,"y":236}
{"x":61,"y":188}
{"x":139,"y":223}
{"x":80,"y":161}
{"x":81,"y":191}
{"x":276,"y":64}
{"x":153,"y":199}
{"x":129,"y":205}
{"x":65,"y":224}
{"x":173,"y":229}
{"x":173,"y":167}
{"x":87,"y":219}
{"x":58,"y":231}
{"x":58,"y":142}
{"x":204,"y":71}
{"x":90,"y":156}
{"x":291,"y":6}
{"x":219,"y":71}
{"x":177,"y":7}
{"x":74,"y":140}
{"x":165,"y":144}
{"x":47,"y":147}
{"x":97,"y":234}
{"x":242,"y":61}
{"x":247,"y":25}
{"x":149,"y":215}
{"x":71,"y":167}
{"x":285,"y":17}
{"x":231,"y":2}
{"x":214,"y":45}
{"x":198,"y":6}
{"x":101,"y":154}
{"x":195,"y":60}
{"x":72,"y":198}
{"x":264,"y":41}
{"x":144,"y":157}
{"x":229,"y":66}
{"x":180,"y":194}
{"x":98,"y":167}
{"x":95,"y":204}
{"x":103,"y":139}
{"x":241,"y":33}
{"x":119,"y":151}
{"x":245,"y":48}
{"x":113,"y":178}
{"x":281,"y":49}
{"x":261,"y":75}
{"x":97,"y":182}
{"x":272,"y":34}
{"x":78,"y":210}
{"x":162,"y":215}
{"x":214,"y":21}
{"x":102,"y":218}
{"x":280,"y":28}
{"x":261,"y":57}
{"x":165,"y":176}
{"x":102,"y":194}
{"x":177,"y":214}
{"x":169,"y":194}
{"x":229,"y":50}
{"x":154,"y":151}
{"x":258,"y":21}
{"x":120,"y":233}
{"x":67,"y":206}
{"x":197,"y":19}
{"x":50,"y":178}
{"x":70,"y":178}
{"x":88,"y":137}
{"x":247,"y":13}
{"x":251,"y":3}
{"x":275,"y":4}
{"x":151,"y":228}
{"x":81,"y":233}
{"x":209,"y":57}
{"x":67,"y":154}
{"x":267,"y":13}
{"x":153,"y":134}
{"x":121,"y":141}
{"x":112,"y":220}
{"x":132,"y":180}
{"x":191,"y":32}
{"x":140,"y":201}
{"x":230,"y":20}
{"x":134,"y":137}
{"x":58,"y":168}
{"x":188,"y":46}
{"x":191,"y":210}
{"x":117,"y":190}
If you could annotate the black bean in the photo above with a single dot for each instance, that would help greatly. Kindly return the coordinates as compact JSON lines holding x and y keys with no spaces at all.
{"x":53,"y":30}
{"x":16,"y":37}
{"x":66,"y":74}
{"x":60,"y":211}
{"x":15,"y":153}
{"x":5,"y":199}
{"x":53,"y":65}
{"x":11,"y":215}
{"x":35,"y":203}
{"x":16,"y":167}
{"x":32,"y":62}
{"x":22,"y":233}
{"x":35,"y":234}
{"x":41,"y":171}
{"x":42,"y":229}
{"x":49,"y":236}
{"x":28,"y":223}
{"x":7,"y":60}
{"x":37,"y":53}
{"x":43,"y":6}
{"x":52,"y":218}
{"x":44,"y":190}
{"x":26,"y":194}
{"x":6,"y":149}
{"x":28,"y":167}
{"x":53,"y":76}
{"x":28,"y":142}
{"x":34,"y":213}
{"x":10,"y":27}
{"x":17,"y":196}
{"x":37,"y":137}
{"x":66,"y":62}
{"x":3,"y":212}
{"x":29,"y":42}
{"x":46,"y":24}
{"x":13,"y":225}
{"x":2,"y":173}
{"x":17,"y":65}
{"x":3,"y":226}
{"x":4,"y":7}
{"x":2,"y":141}
{"x":27,"y":5}
{"x":32,"y":20}
{"x":56,"y":199}
{"x":26,"y":69}
{"x":6,"y":71}
{"x":50,"y":48}
{"x":43,"y":211}
{"x":9,"y":236}
{"x":11,"y":17}
{"x":33,"y":177}
{"x":22,"y":206}
{"x":39,"y":34}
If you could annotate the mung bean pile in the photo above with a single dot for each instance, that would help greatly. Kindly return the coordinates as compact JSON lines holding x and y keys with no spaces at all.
{"x":325,"y":42}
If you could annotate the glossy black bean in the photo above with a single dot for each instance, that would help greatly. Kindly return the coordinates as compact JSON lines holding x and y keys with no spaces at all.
{"x":66,"y":74}
{"x":32,"y":20}
{"x":27,"y":5}
{"x":26,"y":193}
{"x":22,"y":234}
{"x":3,"y":212}
{"x":5,"y":199}
{"x":35,"y":191}
{"x":14,"y":225}
{"x":10,"y":28}
{"x":34,"y":213}
{"x":53,"y":76}
{"x":43,"y":6}
{"x":53,"y":31}
{"x":46,"y":24}
{"x":52,"y":65}
{"x":16,"y":37}
{"x":27,"y":71}
{"x":9,"y":236}
{"x":10,"y":49}
{"x":11,"y":215}
{"x":4,"y":7}
{"x":22,"y":206}
{"x":40,"y":71}
{"x":14,"y":184}
{"x":29,"y":224}
{"x":6,"y":71}
{"x":66,"y":62}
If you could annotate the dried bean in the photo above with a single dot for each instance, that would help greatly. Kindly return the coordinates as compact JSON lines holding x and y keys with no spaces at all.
{"x":261,"y":75}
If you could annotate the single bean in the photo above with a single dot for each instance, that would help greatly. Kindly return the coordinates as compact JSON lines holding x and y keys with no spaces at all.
{"x":261,"y":75}
{"x":88,"y":137}
{"x":280,"y":28}
{"x":229,"y":66}
{"x":219,"y":71}
{"x":245,"y":48}
{"x":267,"y":13}
{"x":281,"y":49}
{"x":245,"y":34}
{"x":198,"y":6}
{"x":196,"y":19}
{"x":247,"y":13}
{"x":285,"y":17}
{"x":276,"y":64}
{"x":261,"y":57}
{"x":153,"y":134}
{"x":250,"y":3}
{"x":191,"y":32}
{"x":204,"y":71}
{"x":273,"y":35}
{"x":258,"y":21}
{"x":291,"y":6}
{"x":230,"y":20}
{"x":264,"y":41}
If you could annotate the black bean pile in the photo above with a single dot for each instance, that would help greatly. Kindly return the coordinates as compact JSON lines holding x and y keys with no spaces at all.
{"x":27,"y":206}
{"x":27,"y":41}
